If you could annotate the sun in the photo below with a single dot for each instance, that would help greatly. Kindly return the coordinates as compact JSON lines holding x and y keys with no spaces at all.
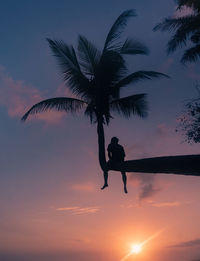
{"x":136,"y":249}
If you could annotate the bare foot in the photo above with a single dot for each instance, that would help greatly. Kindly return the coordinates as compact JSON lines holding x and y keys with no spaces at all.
{"x":104,"y":186}
{"x":125,"y":190}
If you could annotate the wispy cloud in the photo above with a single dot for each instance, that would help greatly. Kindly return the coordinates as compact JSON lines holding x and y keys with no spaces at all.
{"x":18,"y":97}
{"x":67,"y":208}
{"x":167,"y":204}
{"x":190,"y":243}
{"x":79,"y":210}
{"x":148,"y":191}
{"x":147,"y":185}
{"x":84,"y":187}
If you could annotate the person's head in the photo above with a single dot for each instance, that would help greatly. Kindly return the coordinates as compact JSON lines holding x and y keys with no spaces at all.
{"x":114,"y":140}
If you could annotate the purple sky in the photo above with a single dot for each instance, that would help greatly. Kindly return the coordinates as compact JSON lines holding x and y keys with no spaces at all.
{"x":50,"y":201}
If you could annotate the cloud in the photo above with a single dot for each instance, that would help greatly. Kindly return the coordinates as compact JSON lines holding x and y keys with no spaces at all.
{"x":191,"y":243}
{"x":18,"y":97}
{"x":84,"y":187}
{"x":147,"y":185}
{"x":167,"y":204}
{"x":79,"y":210}
{"x":148,"y":191}
{"x":67,"y":208}
{"x":52,"y":255}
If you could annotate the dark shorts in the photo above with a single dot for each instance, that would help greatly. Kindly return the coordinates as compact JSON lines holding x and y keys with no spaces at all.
{"x":112,"y":163}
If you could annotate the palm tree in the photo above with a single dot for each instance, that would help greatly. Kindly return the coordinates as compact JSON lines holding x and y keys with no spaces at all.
{"x":186,"y":28}
{"x":189,"y":3}
{"x":97,"y":77}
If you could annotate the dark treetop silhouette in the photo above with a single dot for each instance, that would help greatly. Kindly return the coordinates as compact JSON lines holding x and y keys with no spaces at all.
{"x":186,"y":28}
{"x":96,"y":77}
{"x":189,"y":121}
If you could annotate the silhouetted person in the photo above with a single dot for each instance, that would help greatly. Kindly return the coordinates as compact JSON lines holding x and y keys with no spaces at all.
{"x":116,"y":154}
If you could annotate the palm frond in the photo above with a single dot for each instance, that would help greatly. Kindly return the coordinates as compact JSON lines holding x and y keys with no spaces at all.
{"x":90,"y":112}
{"x":195,"y":38}
{"x":189,"y":3}
{"x":111,"y":68}
{"x":89,"y":55}
{"x":171,"y":24}
{"x":131,"y":105}
{"x":191,"y":54}
{"x":59,"y":104}
{"x":183,"y":27}
{"x":131,"y":46}
{"x":116,"y":30}
{"x":186,"y":28}
{"x":139,"y":76}
{"x":68,"y":62}
{"x":178,"y":40}
{"x":181,"y":35}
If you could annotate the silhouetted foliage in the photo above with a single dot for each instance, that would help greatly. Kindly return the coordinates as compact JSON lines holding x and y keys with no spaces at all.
{"x":97,"y":77}
{"x":195,"y":4}
{"x":189,"y":121}
{"x":186,"y":31}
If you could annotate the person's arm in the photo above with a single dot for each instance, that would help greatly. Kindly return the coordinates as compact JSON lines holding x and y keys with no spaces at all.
{"x":124,"y":155}
{"x":109,"y":153}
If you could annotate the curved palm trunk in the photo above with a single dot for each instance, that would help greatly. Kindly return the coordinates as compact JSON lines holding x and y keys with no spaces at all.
{"x":179,"y":165}
{"x":101,"y":144}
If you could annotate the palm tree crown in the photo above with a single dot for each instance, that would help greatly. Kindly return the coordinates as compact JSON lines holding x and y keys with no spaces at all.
{"x":96,"y":77}
{"x":186,"y":28}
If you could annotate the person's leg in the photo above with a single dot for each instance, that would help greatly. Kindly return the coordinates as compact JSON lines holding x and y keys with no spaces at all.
{"x":124,"y":181}
{"x":105,"y":174}
{"x":105,"y":179}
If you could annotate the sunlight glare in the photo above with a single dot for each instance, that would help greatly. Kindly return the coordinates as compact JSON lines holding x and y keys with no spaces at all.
{"x":136,"y":249}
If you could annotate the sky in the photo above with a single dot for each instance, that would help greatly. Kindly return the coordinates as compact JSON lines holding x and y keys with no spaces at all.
{"x":51,"y":205}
